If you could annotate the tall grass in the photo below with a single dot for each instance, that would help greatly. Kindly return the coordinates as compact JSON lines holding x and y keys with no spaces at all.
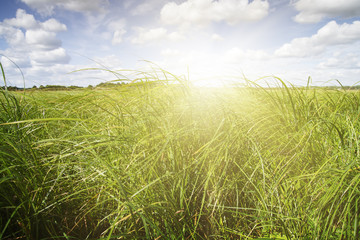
{"x":161,"y":160}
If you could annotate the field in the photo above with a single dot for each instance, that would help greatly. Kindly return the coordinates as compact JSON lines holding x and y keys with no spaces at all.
{"x":160,"y":160}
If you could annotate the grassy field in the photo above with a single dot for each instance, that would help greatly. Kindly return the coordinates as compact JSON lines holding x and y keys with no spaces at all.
{"x":169,"y":161}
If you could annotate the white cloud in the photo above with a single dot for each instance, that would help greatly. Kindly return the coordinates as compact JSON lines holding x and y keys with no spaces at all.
{"x":109,"y":61}
{"x":300,"y":47}
{"x":168,"y":52}
{"x":236,"y":55}
{"x":312,"y":11}
{"x":175,"y":36}
{"x":216,"y":37}
{"x":154,"y":35}
{"x":13,"y":36}
{"x":84,"y":6}
{"x":46,"y":7}
{"x":142,"y":9}
{"x":53,"y":25}
{"x":40,"y":75}
{"x":43,"y":40}
{"x":33,"y":43}
{"x":46,"y":58}
{"x":203,"y":12}
{"x":117,"y":37}
{"x":341,"y":61}
{"x":17,"y":57}
{"x":116,"y":24}
{"x":147,"y":7}
{"x":145,"y":36}
{"x":330,"y":34}
{"x":22,"y":20}
{"x":117,"y":30}
{"x":37,"y":34}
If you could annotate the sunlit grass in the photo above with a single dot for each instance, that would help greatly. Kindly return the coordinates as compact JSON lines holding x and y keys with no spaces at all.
{"x":160,"y":159}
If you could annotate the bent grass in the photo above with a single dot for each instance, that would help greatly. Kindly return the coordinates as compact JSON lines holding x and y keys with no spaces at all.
{"x":155,"y":160}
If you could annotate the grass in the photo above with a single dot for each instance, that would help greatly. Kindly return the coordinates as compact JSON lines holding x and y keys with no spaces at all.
{"x":160,"y":160}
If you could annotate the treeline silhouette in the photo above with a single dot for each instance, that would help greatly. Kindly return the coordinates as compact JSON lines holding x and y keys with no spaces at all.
{"x":62,"y":88}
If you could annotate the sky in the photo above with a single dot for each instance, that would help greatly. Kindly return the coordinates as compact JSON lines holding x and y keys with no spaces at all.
{"x":209,"y":42}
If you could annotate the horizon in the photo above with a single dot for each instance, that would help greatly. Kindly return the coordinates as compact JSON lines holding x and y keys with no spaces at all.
{"x":209,"y":42}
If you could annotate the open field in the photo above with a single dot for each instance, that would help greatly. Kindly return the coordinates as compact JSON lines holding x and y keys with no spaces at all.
{"x":170,"y":161}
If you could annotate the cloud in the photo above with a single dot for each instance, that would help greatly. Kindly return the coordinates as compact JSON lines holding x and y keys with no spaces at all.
{"x":341,"y":61}
{"x":329,"y":35}
{"x":40,"y":35}
{"x":22,"y":20}
{"x":46,"y":58}
{"x":17,"y":57}
{"x":142,"y":9}
{"x":117,"y":36}
{"x":236,"y":55}
{"x":145,"y":36}
{"x":13,"y":36}
{"x":153,"y":35}
{"x":53,"y":25}
{"x":117,"y":30}
{"x":28,"y":22}
{"x":203,"y":12}
{"x":312,"y":11}
{"x":46,"y":7}
{"x":216,"y":37}
{"x":116,"y":24}
{"x":147,"y":7}
{"x":31,"y":42}
{"x":168,"y":52}
{"x":110,"y":61}
{"x":175,"y":36}
{"x":43,"y":40}
{"x":84,"y":6}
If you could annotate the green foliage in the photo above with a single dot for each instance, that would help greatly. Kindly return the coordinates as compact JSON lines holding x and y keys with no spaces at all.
{"x":3,"y":75}
{"x":160,"y":160}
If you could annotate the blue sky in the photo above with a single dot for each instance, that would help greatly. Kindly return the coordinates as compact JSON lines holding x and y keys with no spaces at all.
{"x":212,"y":41}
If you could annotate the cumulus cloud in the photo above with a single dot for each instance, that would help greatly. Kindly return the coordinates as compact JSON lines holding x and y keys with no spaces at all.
{"x":329,"y":35}
{"x":43,"y":40}
{"x":17,"y":57}
{"x":35,"y":41}
{"x":203,"y":12}
{"x":41,"y":35}
{"x":46,"y":58}
{"x":22,"y":20}
{"x":312,"y":11}
{"x":155,"y":34}
{"x":13,"y":36}
{"x":53,"y":25}
{"x":46,"y":7}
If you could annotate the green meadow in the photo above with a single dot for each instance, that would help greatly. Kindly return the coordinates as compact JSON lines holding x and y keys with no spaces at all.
{"x":158,"y":158}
